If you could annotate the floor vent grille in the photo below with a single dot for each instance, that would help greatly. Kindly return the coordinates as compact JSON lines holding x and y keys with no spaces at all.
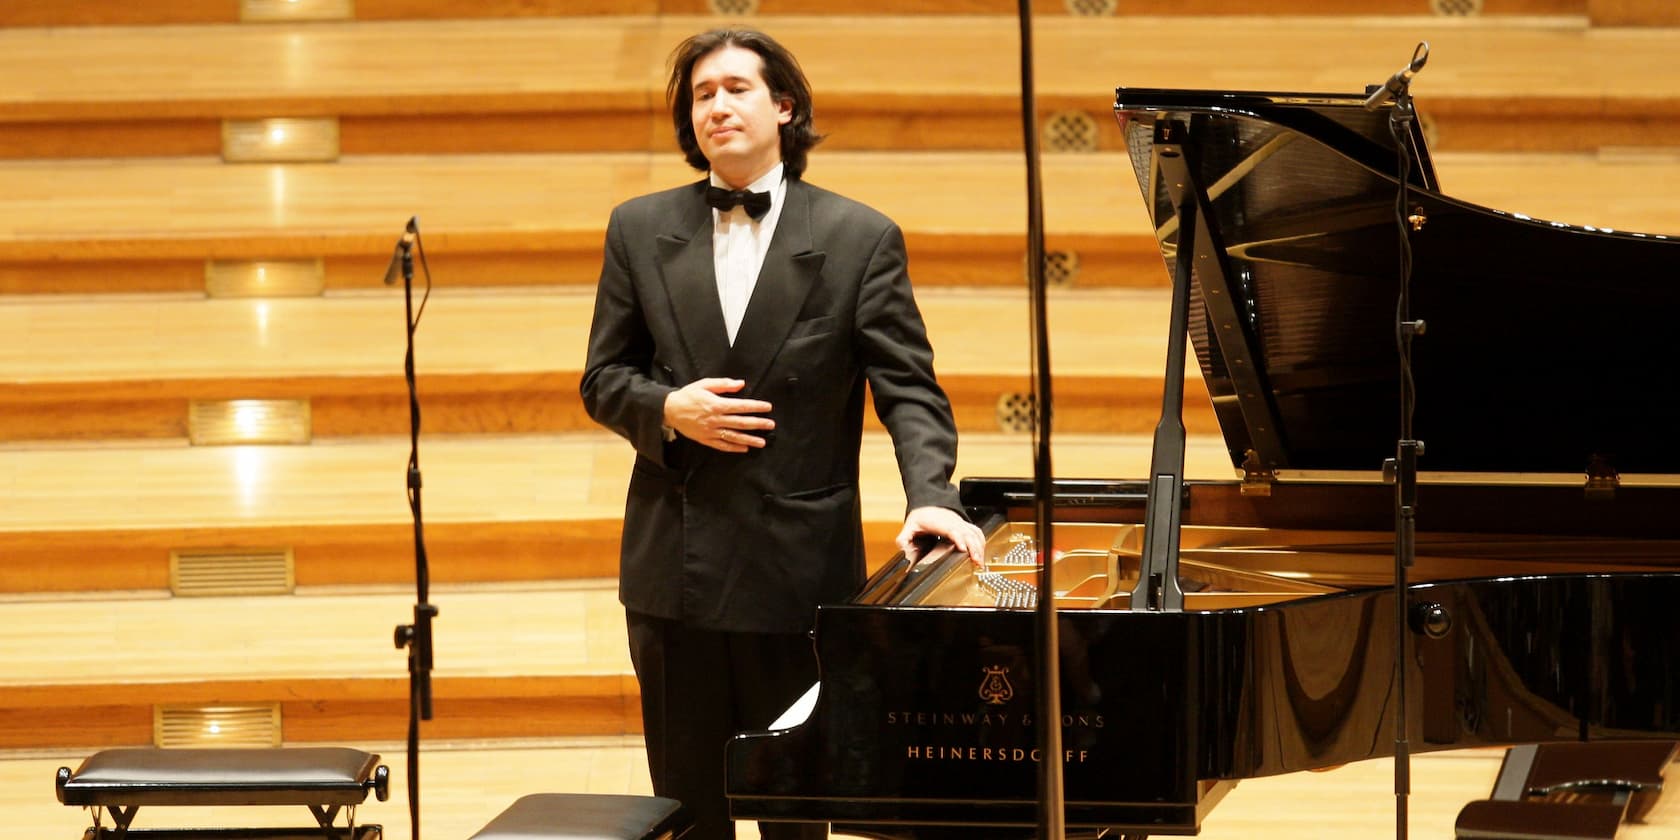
{"x":263,"y":11}
{"x":246,"y":422}
{"x":241,"y":572}
{"x":255,"y":725}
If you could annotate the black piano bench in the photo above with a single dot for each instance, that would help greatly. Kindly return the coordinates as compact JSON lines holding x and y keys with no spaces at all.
{"x":324,"y":779}
{"x":1568,"y":791}
{"x":582,"y":816}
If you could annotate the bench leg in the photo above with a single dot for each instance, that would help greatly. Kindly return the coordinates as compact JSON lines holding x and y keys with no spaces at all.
{"x":325,"y":815}
{"x":120,"y":817}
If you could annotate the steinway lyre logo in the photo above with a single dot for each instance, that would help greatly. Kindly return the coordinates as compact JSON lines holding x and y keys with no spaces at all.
{"x":994,"y":687}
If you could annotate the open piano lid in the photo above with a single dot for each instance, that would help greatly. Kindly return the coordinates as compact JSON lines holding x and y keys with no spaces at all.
{"x":1547,"y":345}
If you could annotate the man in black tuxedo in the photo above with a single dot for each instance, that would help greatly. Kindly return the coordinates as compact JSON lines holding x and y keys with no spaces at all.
{"x":736,"y":323}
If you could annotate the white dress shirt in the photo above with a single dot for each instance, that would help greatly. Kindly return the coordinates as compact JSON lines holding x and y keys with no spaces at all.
{"x":739,"y":243}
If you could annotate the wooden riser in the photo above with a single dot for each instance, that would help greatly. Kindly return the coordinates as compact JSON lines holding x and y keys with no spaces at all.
{"x":596,"y":83}
{"x":957,"y":259}
{"x":521,"y":509}
{"x":117,"y":12}
{"x":506,"y":220}
{"x":488,"y":221}
{"x":504,"y":363}
{"x":327,"y":556}
{"x":1455,"y":124}
{"x":330,"y":711}
{"x":468,"y":479}
{"x":516,"y":404}
{"x":511,"y":662}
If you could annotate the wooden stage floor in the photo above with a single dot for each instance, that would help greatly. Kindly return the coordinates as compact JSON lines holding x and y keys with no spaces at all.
{"x":464,"y":785}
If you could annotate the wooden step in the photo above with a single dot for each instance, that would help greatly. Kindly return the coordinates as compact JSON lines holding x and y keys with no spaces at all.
{"x":514,"y":508}
{"x":501,"y":363}
{"x":531,"y":662}
{"x":520,"y":220}
{"x":596,"y":83}
{"x":116,"y":12}
{"x":497,"y":508}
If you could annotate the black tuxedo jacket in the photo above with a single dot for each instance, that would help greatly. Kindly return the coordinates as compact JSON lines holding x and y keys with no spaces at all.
{"x":753,"y":542}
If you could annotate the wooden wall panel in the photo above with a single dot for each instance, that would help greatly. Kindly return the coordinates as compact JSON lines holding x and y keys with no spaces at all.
{"x":63,"y":271}
{"x":555,"y":129}
{"x":327,"y":555}
{"x":64,"y":722}
{"x":119,"y":13}
{"x":116,"y":12}
{"x":135,"y":136}
{"x":430,"y":9}
{"x":1633,"y":12}
{"x":353,"y":709}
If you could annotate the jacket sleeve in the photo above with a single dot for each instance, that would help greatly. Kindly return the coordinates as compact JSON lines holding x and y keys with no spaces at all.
{"x":896,"y":357}
{"x":620,"y":388}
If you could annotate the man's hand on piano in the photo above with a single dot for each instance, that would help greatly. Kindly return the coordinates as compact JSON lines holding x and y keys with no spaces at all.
{"x":947,"y":523}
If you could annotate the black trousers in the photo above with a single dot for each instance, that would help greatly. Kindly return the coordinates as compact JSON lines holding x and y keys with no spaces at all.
{"x":699,"y":688}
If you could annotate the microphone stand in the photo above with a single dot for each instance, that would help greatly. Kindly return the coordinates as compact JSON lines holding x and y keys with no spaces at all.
{"x":416,"y":637}
{"x":1051,"y":810}
{"x":1402,"y":468}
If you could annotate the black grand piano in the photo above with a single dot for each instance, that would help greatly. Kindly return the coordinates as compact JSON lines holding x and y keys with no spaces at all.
{"x":1545,"y":600}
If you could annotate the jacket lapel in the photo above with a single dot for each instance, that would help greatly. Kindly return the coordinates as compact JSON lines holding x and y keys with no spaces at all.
{"x":791,"y":269}
{"x":690,"y":276}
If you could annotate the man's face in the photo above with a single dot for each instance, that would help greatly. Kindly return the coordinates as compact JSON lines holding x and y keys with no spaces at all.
{"x":735,"y":119}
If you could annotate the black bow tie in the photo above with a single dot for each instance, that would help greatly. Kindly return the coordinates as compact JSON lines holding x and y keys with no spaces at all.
{"x":756,"y":203}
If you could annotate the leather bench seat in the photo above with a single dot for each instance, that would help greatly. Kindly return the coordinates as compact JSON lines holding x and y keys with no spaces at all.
{"x":576,"y":816}
{"x":324,"y":779}
{"x":1569,"y":791}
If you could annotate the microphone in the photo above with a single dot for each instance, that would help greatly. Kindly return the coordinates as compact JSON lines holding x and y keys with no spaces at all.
{"x":402,"y":256}
{"x":1398,"y":82}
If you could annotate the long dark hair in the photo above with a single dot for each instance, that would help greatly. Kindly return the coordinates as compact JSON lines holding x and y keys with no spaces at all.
{"x":781,"y":74}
